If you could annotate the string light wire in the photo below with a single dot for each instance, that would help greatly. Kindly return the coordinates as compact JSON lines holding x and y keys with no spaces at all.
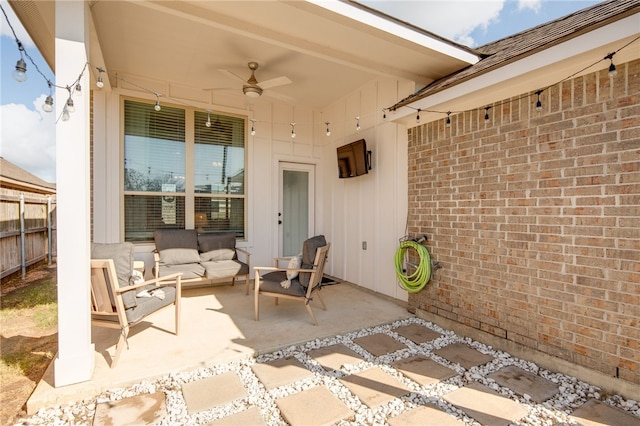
{"x":75,"y":87}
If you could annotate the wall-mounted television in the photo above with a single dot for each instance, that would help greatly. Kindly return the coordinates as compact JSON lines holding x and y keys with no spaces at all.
{"x":353,"y":159}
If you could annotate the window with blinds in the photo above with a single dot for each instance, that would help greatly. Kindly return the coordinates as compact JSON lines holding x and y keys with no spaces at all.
{"x":157,"y":172}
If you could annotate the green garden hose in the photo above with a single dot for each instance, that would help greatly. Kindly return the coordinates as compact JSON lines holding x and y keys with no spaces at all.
{"x":416,"y":281}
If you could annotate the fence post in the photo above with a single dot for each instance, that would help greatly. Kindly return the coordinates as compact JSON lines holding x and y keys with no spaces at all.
{"x":23,"y":253}
{"x":49,"y":234}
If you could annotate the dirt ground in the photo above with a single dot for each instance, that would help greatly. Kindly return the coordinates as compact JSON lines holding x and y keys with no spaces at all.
{"x":26,"y":346}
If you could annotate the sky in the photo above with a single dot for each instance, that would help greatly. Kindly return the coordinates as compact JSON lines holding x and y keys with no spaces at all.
{"x":27,"y":134}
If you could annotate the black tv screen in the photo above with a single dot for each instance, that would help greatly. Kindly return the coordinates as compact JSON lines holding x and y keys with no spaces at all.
{"x":353,"y":159}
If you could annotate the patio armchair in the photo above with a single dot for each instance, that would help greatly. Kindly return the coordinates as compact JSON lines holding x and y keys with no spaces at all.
{"x":119,"y":300}
{"x":300,"y":280}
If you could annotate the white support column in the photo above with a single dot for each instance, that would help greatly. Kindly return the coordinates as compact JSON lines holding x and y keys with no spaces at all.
{"x":75,"y":360}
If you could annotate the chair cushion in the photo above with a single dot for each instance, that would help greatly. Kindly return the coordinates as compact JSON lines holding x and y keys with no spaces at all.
{"x":271,"y":283}
{"x":225,"y":268}
{"x":176,"y":238}
{"x":309,"y":248}
{"x":188,"y":270}
{"x":146,"y":305}
{"x":122,"y":255}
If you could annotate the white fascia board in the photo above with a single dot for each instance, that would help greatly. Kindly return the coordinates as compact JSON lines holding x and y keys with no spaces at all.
{"x":396,"y":29}
{"x":592,"y":41}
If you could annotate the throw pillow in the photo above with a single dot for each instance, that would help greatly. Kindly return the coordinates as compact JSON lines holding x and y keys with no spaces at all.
{"x":294,"y":263}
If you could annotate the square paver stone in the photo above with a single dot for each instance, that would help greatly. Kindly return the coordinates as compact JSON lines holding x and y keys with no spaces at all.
{"x":423,"y":370}
{"x":485,"y":405}
{"x":379,"y":344}
{"x":136,"y":410}
{"x":464,"y":355}
{"x":424,"y":416}
{"x":523,"y":382}
{"x":418,"y":333}
{"x":374,"y":387}
{"x":315,"y":406}
{"x":596,"y":413}
{"x":335,"y":356}
{"x":280,"y":372}
{"x":248,"y":417}
{"x":217,"y":390}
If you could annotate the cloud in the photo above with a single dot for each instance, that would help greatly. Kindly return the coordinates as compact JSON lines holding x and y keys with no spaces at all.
{"x":29,"y":142}
{"x":534,"y":5}
{"x":454,"y":20}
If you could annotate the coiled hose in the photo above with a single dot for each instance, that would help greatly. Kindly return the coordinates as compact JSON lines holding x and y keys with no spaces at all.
{"x":416,"y":281}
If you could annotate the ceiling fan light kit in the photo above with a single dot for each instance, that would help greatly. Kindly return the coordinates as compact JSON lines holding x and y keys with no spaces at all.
{"x":251,"y":91}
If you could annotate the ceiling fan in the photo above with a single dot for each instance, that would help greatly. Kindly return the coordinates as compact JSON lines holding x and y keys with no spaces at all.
{"x":252,"y":88}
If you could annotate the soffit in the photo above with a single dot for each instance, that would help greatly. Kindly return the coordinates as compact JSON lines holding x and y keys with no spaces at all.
{"x":326,"y":55}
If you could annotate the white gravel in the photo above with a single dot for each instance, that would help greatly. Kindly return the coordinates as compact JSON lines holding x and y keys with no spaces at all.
{"x":572,"y":394}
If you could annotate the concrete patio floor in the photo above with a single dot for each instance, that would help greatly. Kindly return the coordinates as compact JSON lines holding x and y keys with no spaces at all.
{"x":369,"y":362}
{"x":217,"y":326}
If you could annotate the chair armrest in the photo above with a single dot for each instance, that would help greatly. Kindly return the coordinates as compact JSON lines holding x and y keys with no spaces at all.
{"x":156,"y":259}
{"x":175,"y":280}
{"x":246,"y":254}
{"x":273,"y":269}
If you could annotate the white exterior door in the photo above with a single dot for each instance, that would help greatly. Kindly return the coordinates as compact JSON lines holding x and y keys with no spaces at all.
{"x":296,"y":221}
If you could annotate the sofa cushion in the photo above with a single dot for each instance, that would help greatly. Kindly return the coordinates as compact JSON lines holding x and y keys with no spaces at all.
{"x":189,"y":270}
{"x":122,"y":255}
{"x":309,"y":248}
{"x":217,"y":246}
{"x":225,"y":268}
{"x":176,"y":238}
{"x":179,"y":256}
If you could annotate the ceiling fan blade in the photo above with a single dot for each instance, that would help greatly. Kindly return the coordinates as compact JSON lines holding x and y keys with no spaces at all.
{"x":274,"y":82}
{"x":279,"y":96}
{"x":232,"y":75}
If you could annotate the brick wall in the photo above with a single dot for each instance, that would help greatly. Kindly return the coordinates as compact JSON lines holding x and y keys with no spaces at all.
{"x":535,"y":216}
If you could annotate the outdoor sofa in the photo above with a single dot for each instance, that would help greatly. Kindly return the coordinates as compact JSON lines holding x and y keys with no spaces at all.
{"x":202,"y":258}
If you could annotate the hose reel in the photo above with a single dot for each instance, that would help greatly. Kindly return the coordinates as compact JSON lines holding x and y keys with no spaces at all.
{"x":413,"y":281}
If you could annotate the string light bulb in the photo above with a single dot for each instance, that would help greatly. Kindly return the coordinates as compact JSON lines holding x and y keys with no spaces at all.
{"x":208,"y":123}
{"x":293,"y":130}
{"x":157,"y":107}
{"x":47,"y":106}
{"x":253,"y":126}
{"x":65,"y":114}
{"x":357,"y":123}
{"x":448,"y":122}
{"x":20,"y":73}
{"x":612,"y":67}
{"x":418,"y":116}
{"x":70,"y":107}
{"x":78,"y":89}
{"x":328,"y":130}
{"x":486,"y":114}
{"x":100,"y":82}
{"x":539,"y":102}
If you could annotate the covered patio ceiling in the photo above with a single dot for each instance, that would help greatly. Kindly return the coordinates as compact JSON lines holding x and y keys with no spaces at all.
{"x":327,"y":50}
